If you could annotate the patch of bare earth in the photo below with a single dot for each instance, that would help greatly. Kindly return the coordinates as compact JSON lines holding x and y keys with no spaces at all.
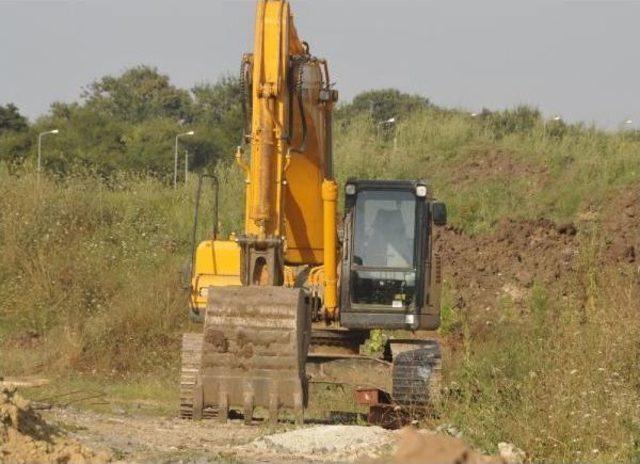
{"x":621,"y":227}
{"x":155,"y":440}
{"x":147,"y":439}
{"x":144,"y":439}
{"x":507,"y":262}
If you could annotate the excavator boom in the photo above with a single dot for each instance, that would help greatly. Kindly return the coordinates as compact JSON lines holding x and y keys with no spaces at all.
{"x":253,"y":348}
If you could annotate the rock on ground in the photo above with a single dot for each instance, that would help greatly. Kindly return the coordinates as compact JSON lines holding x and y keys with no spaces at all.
{"x":340,"y":441}
{"x":429,"y":448}
{"x":511,"y":453}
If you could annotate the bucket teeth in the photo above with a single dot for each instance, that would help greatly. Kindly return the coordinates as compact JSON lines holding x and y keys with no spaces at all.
{"x":250,"y":355}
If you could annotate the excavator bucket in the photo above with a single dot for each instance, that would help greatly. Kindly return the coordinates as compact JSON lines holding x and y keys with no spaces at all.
{"x":252,"y":354}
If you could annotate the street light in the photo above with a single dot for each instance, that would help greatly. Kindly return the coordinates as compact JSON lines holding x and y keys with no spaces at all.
{"x":40,"y":135}
{"x":556,"y":118}
{"x":387,"y":123}
{"x":175,"y":161}
{"x":626,"y":127}
{"x":186,"y":166}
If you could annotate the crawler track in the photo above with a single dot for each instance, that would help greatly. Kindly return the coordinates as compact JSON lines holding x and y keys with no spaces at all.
{"x":417,"y":377}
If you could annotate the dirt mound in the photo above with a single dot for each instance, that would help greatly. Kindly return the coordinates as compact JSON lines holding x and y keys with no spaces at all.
{"x":420,"y":448}
{"x":502,"y":266}
{"x":621,"y":227}
{"x":506,"y":263}
{"x":26,"y":438}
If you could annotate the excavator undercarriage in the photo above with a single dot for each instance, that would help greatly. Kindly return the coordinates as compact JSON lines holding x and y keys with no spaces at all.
{"x":258,"y":350}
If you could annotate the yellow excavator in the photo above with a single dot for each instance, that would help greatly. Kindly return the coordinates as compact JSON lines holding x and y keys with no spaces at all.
{"x":297,"y":293}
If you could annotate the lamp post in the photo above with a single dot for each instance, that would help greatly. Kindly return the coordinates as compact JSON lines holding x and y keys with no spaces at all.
{"x":175,"y":160}
{"x":186,"y":166}
{"x":555,"y":118}
{"x":387,"y":123}
{"x":40,"y":135}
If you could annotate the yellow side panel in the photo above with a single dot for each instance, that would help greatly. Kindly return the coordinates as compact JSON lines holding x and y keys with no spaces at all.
{"x":219,"y":257}
{"x":217,"y":264}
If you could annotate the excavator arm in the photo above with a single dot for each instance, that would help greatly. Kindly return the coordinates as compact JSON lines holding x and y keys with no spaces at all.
{"x":255,"y":340}
{"x":290,"y":150}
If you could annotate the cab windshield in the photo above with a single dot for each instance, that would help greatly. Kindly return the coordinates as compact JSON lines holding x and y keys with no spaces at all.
{"x":383,"y":271}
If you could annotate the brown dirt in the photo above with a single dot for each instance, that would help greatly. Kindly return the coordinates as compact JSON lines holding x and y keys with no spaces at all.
{"x":621,"y":228}
{"x":26,"y":438}
{"x":506,"y":263}
{"x":489,"y":273}
{"x":415,"y":447}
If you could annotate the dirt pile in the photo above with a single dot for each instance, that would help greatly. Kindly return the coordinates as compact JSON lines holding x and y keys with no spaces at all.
{"x":620,"y":224}
{"x":508,"y":261}
{"x":415,"y":447}
{"x":420,"y":448}
{"x":26,"y":438}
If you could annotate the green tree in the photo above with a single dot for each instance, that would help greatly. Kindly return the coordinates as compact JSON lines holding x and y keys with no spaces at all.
{"x":218,"y":103}
{"x":11,"y":119}
{"x":382,"y":105}
{"x":217,"y":113}
{"x":15,"y":141}
{"x":138,"y":94}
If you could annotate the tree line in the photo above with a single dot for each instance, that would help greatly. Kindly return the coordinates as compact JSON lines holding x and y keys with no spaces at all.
{"x":129,"y":122}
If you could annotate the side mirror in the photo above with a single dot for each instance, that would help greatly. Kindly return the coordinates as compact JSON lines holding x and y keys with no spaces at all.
{"x":439,"y":213}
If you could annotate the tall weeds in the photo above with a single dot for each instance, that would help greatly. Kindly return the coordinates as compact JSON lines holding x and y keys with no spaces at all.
{"x":89,"y":275}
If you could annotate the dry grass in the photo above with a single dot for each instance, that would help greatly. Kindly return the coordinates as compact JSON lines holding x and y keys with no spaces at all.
{"x":89,"y":276}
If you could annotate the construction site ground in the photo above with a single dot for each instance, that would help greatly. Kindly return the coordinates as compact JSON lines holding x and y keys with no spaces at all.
{"x":144,"y":438}
{"x":43,"y":433}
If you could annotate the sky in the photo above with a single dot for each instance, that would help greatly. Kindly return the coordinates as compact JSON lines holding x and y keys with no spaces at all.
{"x":575,"y":58}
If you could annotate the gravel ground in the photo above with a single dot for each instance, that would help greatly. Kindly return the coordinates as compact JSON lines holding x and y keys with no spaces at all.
{"x":147,"y":439}
{"x":343,"y":442}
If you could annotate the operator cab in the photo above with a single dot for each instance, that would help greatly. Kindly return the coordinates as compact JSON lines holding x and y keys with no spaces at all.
{"x":390,"y":273}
